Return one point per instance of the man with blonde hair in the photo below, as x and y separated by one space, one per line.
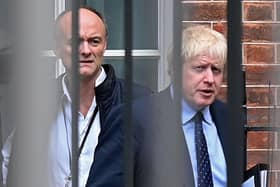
193 150
204 52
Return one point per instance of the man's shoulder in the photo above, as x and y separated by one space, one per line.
58 81
120 84
137 90
219 109
219 105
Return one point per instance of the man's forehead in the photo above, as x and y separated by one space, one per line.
206 58
65 20
84 14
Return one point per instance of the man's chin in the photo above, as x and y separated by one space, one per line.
86 72
204 103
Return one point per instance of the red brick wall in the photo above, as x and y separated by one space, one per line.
261 61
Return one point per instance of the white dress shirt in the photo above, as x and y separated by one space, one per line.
60 146
215 150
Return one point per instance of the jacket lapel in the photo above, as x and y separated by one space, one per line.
219 114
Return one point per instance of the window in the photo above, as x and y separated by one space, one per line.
152 35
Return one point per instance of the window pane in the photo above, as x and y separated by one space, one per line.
145 24
144 71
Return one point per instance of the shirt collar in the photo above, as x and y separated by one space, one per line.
188 112
65 89
207 115
101 77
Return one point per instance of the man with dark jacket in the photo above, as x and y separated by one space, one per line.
99 92
192 148
181 146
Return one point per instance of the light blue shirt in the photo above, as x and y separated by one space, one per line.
216 154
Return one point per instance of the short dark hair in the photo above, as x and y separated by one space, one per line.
56 25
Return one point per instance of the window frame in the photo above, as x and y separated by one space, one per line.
165 25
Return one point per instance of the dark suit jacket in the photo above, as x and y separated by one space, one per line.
161 157
233 147
107 168
162 160
160 153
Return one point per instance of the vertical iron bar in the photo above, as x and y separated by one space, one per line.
177 57
128 130
75 91
235 126
182 172
28 93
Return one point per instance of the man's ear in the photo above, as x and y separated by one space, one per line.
105 46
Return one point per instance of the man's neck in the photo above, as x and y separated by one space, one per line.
87 92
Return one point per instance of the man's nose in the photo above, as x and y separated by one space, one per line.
84 48
209 76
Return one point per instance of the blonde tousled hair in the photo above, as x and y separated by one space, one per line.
198 40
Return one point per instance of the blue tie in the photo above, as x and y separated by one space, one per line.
204 174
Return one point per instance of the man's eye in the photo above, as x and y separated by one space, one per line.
216 70
199 68
94 41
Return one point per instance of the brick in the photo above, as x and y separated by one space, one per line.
269 157
255 157
223 94
258 11
258 116
258 54
263 116
262 74
260 96
209 11
260 140
261 32
221 27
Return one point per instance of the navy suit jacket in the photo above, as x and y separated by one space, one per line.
160 153
161 157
